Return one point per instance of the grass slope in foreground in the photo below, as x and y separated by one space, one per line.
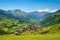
53 34
31 37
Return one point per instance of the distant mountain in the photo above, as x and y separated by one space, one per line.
5 13
6 17
40 15
20 15
52 19
29 16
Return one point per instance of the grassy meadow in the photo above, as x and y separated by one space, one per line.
31 37
53 34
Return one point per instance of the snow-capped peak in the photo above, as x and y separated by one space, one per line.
47 10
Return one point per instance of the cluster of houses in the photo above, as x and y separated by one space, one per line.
30 28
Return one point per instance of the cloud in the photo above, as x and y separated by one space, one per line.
53 10
43 10
47 10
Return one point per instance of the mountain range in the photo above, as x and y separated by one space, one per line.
12 19
31 17
34 16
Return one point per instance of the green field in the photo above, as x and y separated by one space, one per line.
18 27
53 34
31 37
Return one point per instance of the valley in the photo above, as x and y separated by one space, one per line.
20 25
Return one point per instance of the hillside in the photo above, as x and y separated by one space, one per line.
55 29
52 19
7 22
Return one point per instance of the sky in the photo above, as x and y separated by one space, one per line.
29 5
